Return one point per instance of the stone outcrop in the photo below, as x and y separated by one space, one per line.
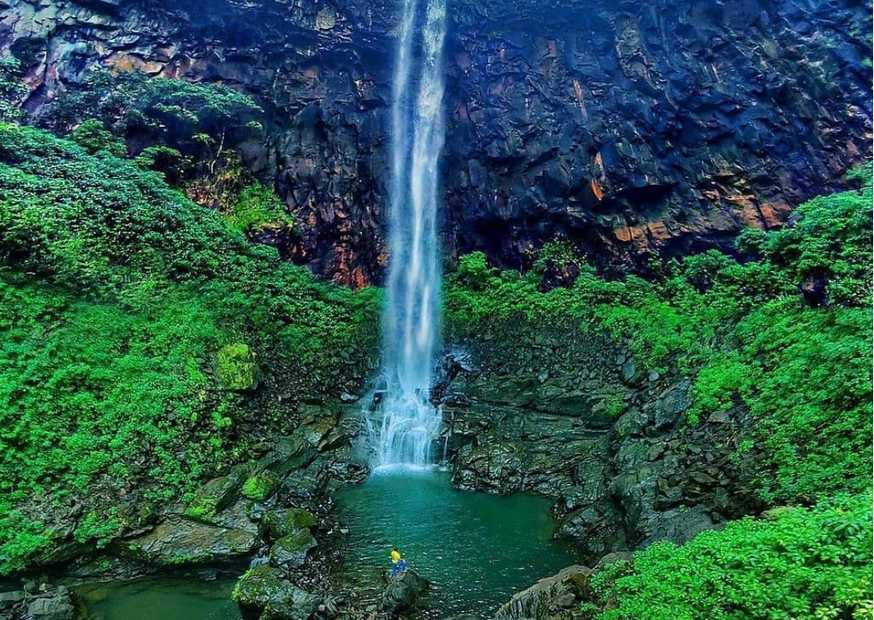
38 602
403 594
568 415
263 592
552 597
630 128
180 542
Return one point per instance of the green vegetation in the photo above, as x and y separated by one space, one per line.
794 563
92 136
743 330
200 119
260 486
117 295
750 340
256 207
236 367
12 89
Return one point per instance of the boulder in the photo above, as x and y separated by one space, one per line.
288 521
260 486
291 551
555 597
263 592
180 542
403 594
57 605
212 497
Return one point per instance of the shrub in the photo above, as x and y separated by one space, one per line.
258 206
92 136
795 563
236 367
116 295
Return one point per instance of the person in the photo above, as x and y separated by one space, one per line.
398 563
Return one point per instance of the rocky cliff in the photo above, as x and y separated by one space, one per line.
571 415
630 128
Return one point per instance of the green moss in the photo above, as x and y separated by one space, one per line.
260 486
281 523
236 367
211 498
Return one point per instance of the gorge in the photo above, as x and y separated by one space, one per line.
569 300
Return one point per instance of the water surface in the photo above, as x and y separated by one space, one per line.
160 599
476 549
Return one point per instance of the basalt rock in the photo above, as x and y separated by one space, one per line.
554 597
403 594
180 542
544 412
264 593
38 602
630 128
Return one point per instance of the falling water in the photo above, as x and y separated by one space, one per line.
407 422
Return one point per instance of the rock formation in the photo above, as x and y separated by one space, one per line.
629 128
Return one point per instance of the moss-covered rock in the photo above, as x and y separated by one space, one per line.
212 498
280 523
180 542
291 551
260 486
263 590
236 367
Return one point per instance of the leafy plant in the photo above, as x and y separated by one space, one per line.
794 563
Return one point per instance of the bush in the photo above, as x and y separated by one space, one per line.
236 367
256 207
117 295
92 136
795 563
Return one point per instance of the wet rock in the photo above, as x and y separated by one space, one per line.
285 522
263 592
403 594
38 602
674 402
678 525
57 606
814 288
291 551
555 597
558 274
597 529
213 497
181 542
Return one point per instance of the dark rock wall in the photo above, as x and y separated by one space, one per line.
641 127
631 128
570 415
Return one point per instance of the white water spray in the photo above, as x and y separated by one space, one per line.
407 422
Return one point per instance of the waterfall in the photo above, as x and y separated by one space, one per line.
407 423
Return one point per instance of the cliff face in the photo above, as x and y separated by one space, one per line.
631 128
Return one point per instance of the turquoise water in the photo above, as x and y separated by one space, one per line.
476 549
160 599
